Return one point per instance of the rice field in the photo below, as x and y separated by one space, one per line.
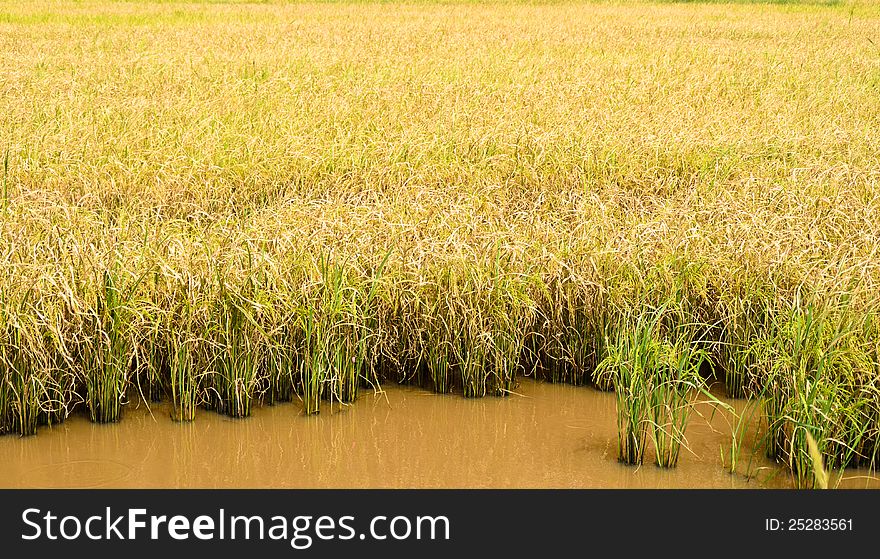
228 204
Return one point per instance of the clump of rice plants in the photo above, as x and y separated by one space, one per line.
280 362
5 413
489 316
675 382
23 383
152 353
234 378
37 386
630 353
107 354
867 453
313 364
511 314
570 330
175 349
333 359
817 365
655 371
184 378
187 361
437 325
338 323
473 331
404 314
745 312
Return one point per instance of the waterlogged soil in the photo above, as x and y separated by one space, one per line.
545 436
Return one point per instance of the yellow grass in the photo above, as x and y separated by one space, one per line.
743 133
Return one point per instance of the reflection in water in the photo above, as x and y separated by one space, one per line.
548 436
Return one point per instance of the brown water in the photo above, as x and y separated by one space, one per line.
549 436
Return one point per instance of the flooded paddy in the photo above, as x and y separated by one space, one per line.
547 435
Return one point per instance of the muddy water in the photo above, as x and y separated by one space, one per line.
548 436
